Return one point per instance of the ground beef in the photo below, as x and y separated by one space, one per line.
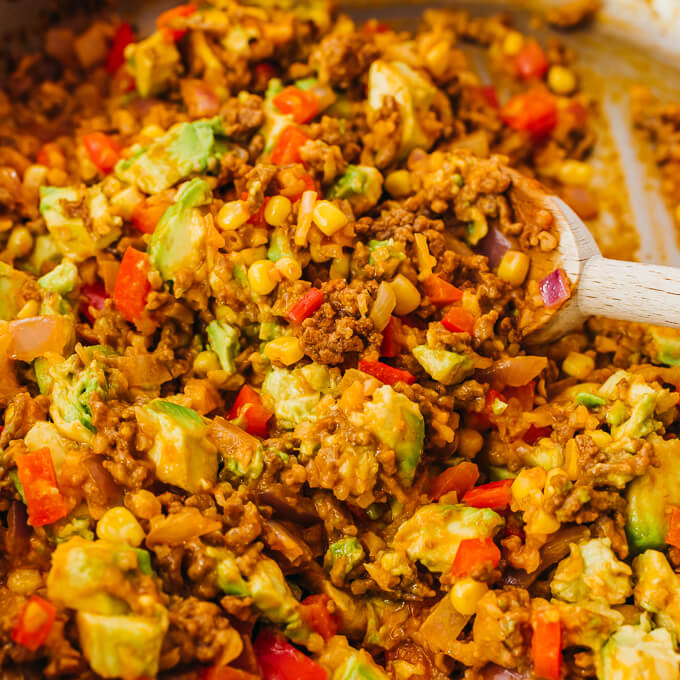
344 57
573 13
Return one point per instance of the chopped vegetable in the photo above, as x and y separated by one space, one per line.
534 111
279 660
535 434
459 478
440 292
459 320
132 284
546 644
494 495
530 61
303 105
95 298
166 21
590 400
121 39
146 215
315 611
555 288
103 150
35 623
673 534
44 501
493 246
385 373
288 145
249 406
474 553
35 336
390 344
306 305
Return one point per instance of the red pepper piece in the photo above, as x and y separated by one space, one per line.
390 344
441 292
495 495
279 660
44 502
103 150
473 553
249 406
534 111
303 105
121 39
546 645
145 215
535 434
490 95
459 320
95 296
306 305
35 623
387 374
530 61
166 19
523 394
315 613
132 284
673 535
287 149
460 478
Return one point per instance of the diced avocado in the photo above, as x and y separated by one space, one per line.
590 400
45 253
343 556
279 245
154 62
387 254
616 413
178 241
633 652
241 454
186 149
398 423
432 535
359 665
229 577
641 422
448 368
181 451
648 496
76 237
223 339
590 572
667 344
658 590
77 523
62 279
11 298
125 647
361 185
274 121
413 94
293 395
546 454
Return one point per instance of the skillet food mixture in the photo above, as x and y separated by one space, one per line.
269 407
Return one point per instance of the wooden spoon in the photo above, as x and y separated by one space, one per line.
629 291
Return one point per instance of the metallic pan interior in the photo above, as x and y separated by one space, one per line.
633 41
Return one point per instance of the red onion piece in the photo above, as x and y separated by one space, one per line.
18 532
554 288
494 245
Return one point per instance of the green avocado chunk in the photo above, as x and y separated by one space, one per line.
343 556
279 245
667 345
448 368
181 451
178 241
649 495
11 298
76 237
153 62
223 339
432 535
359 665
361 185
590 400
62 279
186 149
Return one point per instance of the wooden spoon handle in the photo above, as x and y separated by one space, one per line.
630 291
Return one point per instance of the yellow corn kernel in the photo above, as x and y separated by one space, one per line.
527 482
328 217
24 581
289 268
286 350
232 215
119 525
152 131
470 442
512 43
578 365
561 80
571 460
206 361
514 267
601 438
34 177
263 277
438 58
470 303
543 523
277 210
408 297
31 308
575 173
124 201
398 184
20 242
465 595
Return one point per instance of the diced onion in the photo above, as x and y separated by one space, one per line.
35 336
305 211
514 372
384 305
180 527
554 288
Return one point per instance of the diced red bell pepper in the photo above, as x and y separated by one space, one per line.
535 434
459 320
387 374
306 305
121 39
103 150
256 218
390 344
51 156
546 645
473 553
373 26
249 406
264 71
288 145
534 111
673 535
44 502
523 394
303 105
145 215
530 61
279 660
441 292
132 284
315 613
166 19
95 296
460 478
490 95
494 495
35 623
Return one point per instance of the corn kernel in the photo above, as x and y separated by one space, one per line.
123 203
34 177
601 438
20 242
263 276
232 215
470 442
152 131
408 297
142 503
31 308
561 80
206 361
578 365
543 523
24 581
438 59
340 267
465 595
514 267
277 210
286 350
328 217
512 43
398 184
575 173
289 268
119 525
571 460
